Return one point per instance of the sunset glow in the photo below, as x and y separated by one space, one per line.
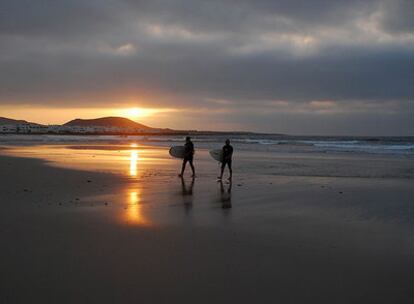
136 113
207 151
50 116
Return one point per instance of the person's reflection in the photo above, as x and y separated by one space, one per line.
225 194
187 193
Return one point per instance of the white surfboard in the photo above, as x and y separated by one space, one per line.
177 151
217 154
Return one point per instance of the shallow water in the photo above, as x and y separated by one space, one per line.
138 159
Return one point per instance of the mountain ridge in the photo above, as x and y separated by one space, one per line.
110 121
10 121
113 121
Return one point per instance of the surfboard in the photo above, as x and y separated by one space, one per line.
217 154
177 151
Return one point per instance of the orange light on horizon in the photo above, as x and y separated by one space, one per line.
135 113
53 115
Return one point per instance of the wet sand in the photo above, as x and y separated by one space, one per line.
117 226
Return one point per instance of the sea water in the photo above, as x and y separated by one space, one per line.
402 146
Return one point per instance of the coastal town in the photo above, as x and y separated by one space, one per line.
107 125
28 128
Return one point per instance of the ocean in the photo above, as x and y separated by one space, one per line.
402 146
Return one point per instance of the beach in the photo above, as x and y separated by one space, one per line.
112 223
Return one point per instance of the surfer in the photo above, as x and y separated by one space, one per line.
188 156
227 157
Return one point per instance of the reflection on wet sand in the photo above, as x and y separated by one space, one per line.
117 159
225 194
133 209
133 170
187 192
133 214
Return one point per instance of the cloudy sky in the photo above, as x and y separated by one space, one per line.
286 66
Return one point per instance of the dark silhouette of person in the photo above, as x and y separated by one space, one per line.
225 195
227 159
188 156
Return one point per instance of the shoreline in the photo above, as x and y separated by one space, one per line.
397 147
248 162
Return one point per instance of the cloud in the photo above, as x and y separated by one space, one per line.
397 17
312 58
122 50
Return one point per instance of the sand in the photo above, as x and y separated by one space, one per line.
136 233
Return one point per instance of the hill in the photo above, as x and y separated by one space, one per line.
9 121
108 122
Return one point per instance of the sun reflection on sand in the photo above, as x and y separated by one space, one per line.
133 161
133 210
130 159
133 215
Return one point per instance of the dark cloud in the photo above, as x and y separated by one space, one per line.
56 19
75 17
186 53
397 16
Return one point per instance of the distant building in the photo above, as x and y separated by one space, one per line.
37 129
24 128
8 129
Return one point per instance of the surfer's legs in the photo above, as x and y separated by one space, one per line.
192 166
183 167
223 165
185 160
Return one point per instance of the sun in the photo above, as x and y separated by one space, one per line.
133 112
136 113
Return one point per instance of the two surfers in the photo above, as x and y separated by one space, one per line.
225 157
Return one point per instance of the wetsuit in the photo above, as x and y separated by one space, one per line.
227 155
189 151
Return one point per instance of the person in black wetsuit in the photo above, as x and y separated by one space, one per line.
227 156
188 156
